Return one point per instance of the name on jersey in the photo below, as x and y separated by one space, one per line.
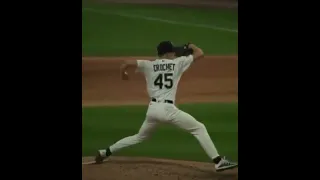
163 67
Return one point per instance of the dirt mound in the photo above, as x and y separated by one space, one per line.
135 168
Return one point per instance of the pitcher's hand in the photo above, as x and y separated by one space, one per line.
125 76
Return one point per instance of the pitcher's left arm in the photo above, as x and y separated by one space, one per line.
139 65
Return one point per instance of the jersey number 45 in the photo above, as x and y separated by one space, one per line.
164 80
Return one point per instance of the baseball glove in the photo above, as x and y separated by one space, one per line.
183 50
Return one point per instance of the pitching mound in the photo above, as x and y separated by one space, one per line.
134 168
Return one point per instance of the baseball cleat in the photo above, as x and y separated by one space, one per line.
225 164
101 155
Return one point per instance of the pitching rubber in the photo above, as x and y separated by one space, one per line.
92 162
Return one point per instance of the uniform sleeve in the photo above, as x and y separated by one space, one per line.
185 62
142 65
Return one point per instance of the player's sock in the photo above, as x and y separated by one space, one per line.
216 160
108 152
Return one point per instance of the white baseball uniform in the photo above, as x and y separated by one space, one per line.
162 78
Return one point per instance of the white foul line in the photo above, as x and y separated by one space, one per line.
162 20
92 162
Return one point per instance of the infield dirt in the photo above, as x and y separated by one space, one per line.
214 79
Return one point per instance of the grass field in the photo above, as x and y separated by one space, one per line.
123 30
104 125
129 30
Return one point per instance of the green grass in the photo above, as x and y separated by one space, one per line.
103 126
107 34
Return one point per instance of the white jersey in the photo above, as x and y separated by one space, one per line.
163 75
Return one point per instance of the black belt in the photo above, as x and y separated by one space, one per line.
166 101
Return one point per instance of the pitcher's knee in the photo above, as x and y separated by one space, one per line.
201 128
139 138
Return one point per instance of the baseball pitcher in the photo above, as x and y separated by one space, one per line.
162 77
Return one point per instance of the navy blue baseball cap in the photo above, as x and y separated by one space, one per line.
165 47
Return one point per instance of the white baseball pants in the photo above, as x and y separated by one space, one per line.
169 113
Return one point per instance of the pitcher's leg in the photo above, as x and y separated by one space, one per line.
145 131
198 130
